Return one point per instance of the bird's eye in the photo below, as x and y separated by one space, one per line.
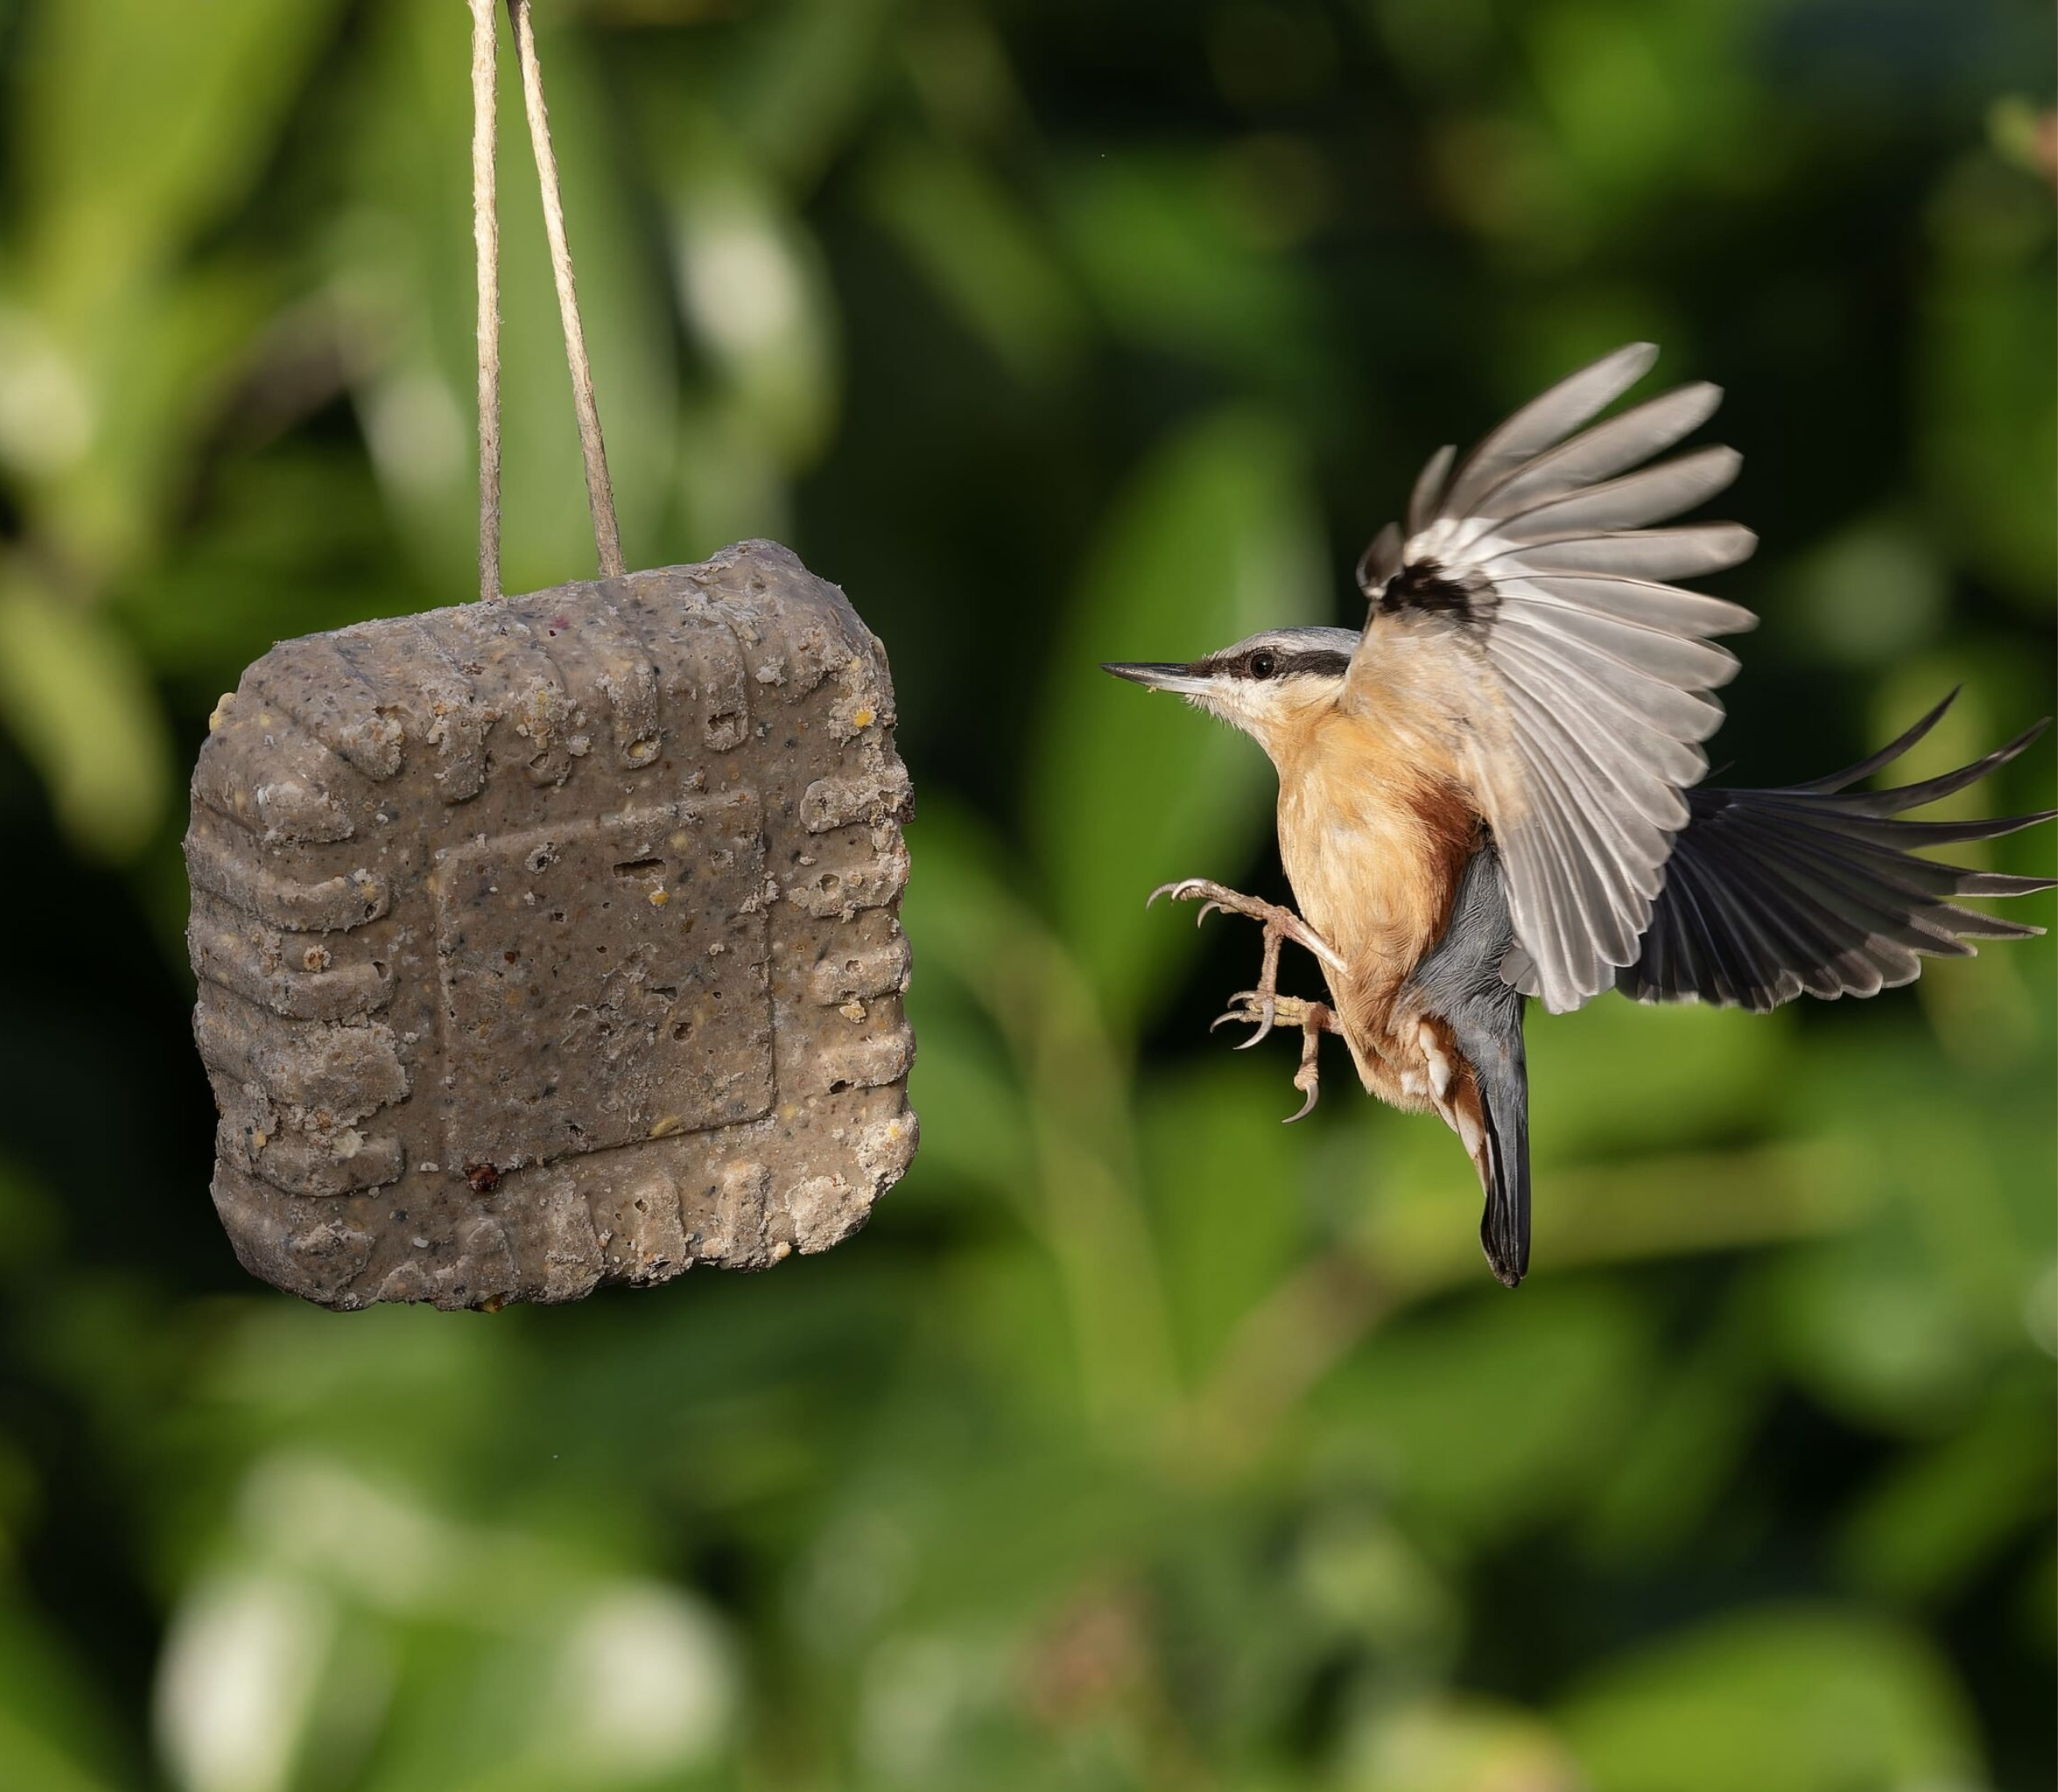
1263 665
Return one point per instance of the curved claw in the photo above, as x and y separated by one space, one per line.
1210 907
1252 1009
1266 1014
1307 1107
1183 889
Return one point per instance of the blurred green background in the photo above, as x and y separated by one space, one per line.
1139 1442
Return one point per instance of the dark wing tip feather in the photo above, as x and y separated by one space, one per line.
1934 789
1889 830
1815 888
1886 756
2002 883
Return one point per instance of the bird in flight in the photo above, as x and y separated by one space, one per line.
1491 792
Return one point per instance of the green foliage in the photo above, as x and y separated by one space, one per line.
1785 1699
1141 1441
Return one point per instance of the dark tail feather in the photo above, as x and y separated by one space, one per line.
1504 1158
1816 889
1459 983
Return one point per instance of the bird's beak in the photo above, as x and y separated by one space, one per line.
1187 681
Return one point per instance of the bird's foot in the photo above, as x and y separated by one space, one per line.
1279 925
1263 1010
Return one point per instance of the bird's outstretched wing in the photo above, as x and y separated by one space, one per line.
1772 894
1528 598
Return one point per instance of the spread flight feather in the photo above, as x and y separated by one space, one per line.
1591 674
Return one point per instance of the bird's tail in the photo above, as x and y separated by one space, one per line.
1502 1158
1459 983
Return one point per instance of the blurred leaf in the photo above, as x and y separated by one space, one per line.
1486 1420
50 409
1083 1197
1868 1330
291 543
1603 76
1939 1518
975 1126
55 1735
1503 176
1212 541
1361 1572
1163 247
1440 42
962 903
159 380
750 280
1782 1700
1650 100
1458 1745
393 1395
1224 1175
805 70
731 485
982 255
240 1679
752 287
143 126
1008 1320
1987 373
1899 1325
1873 594
1676 1465
957 59
1617 1074
645 1685
929 1706
74 697
2017 133
146 122
1711 1201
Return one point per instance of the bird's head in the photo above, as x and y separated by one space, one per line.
1269 686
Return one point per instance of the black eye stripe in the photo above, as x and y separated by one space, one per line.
1313 662
1319 662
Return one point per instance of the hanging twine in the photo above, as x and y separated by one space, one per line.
486 235
485 242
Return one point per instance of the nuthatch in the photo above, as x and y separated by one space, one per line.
1491 793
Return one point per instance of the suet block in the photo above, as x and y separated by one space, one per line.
554 940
